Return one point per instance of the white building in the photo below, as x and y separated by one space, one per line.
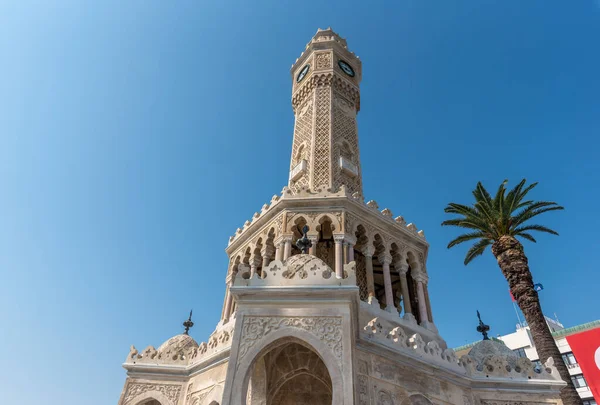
326 295
521 343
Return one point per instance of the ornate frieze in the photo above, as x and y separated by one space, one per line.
327 329
134 390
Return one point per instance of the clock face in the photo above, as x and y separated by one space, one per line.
302 73
346 68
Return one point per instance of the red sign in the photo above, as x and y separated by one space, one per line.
586 348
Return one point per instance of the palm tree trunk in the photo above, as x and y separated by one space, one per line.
513 263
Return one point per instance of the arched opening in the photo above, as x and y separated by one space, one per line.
362 242
412 286
149 401
296 229
379 284
395 276
326 245
290 373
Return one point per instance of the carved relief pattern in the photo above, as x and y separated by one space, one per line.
326 253
302 139
326 329
170 391
495 402
323 61
321 153
363 390
361 277
345 137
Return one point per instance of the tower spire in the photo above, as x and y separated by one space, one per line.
326 100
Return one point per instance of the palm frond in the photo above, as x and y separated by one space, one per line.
482 196
465 210
511 198
527 214
477 250
527 236
467 237
471 223
523 192
540 228
500 194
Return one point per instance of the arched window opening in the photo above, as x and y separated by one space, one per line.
326 245
289 374
362 242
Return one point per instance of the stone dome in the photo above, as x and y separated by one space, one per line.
177 344
302 263
485 349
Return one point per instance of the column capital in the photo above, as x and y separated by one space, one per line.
282 239
350 240
368 251
266 251
402 268
338 238
420 278
385 258
313 238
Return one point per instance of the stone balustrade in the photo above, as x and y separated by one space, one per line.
219 341
399 338
298 270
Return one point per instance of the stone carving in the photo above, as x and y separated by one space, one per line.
373 204
302 137
384 398
302 269
387 213
497 402
321 153
323 60
363 390
326 329
171 391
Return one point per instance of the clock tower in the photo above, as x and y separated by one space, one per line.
325 100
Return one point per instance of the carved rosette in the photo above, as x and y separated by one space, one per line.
170 391
327 329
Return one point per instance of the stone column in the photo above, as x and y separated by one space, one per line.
314 240
228 298
266 253
368 253
386 259
402 270
339 260
287 250
279 249
420 279
345 250
349 248
429 312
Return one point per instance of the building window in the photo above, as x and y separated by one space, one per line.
520 352
569 359
589 402
578 381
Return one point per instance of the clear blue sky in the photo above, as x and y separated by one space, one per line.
135 137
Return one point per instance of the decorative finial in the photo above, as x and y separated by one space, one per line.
188 324
304 243
482 328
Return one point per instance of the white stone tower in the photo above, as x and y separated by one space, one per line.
348 321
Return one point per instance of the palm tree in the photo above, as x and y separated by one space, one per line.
497 222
